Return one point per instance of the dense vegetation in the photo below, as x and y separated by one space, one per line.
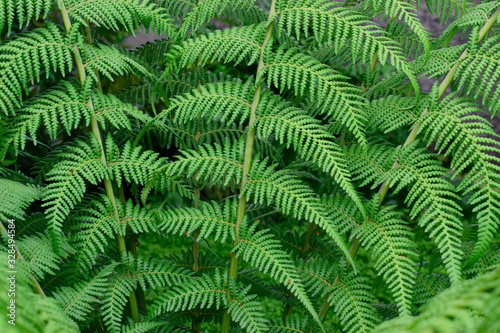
283 174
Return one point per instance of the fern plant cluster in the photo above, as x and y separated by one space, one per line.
283 174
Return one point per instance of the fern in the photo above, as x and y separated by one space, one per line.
24 58
430 189
81 163
263 166
388 238
264 252
470 149
323 85
129 14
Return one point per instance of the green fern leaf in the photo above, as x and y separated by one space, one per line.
389 239
456 130
404 11
264 252
79 300
292 197
129 14
23 10
79 163
211 220
351 301
291 125
430 193
15 197
225 101
23 59
304 74
234 45
338 24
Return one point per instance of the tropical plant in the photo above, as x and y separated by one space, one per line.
283 174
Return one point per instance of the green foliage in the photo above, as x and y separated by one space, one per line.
265 166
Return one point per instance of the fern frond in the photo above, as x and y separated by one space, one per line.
79 163
392 250
246 310
109 108
305 75
343 211
30 225
292 197
97 224
23 10
369 166
264 252
406 12
39 255
152 273
393 112
225 101
293 126
479 73
475 16
23 59
80 299
201 13
211 220
119 14
235 45
471 306
61 104
115 300
199 132
66 105
431 193
132 164
444 9
110 61
220 165
34 313
409 41
338 24
291 325
15 197
204 292
427 286
351 301
469 138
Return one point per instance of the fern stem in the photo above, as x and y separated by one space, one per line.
242 201
97 133
34 282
